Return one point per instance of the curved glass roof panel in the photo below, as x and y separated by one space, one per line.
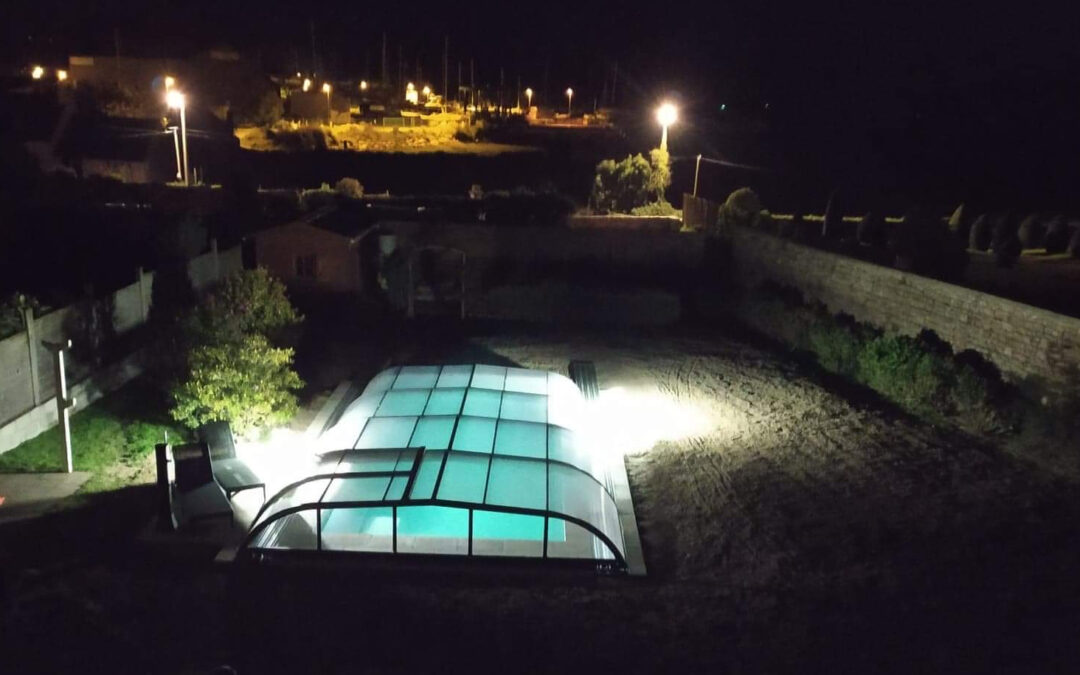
459 460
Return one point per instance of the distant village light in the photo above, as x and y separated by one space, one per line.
170 82
363 85
307 84
61 75
37 73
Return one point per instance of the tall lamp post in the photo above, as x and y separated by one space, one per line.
569 101
666 115
175 99
329 111
528 97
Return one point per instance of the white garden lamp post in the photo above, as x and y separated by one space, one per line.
175 99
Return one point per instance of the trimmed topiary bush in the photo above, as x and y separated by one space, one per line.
831 223
979 236
922 244
960 223
741 207
1005 244
350 188
765 221
1056 239
871 230
1032 232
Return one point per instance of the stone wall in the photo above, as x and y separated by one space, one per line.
1038 349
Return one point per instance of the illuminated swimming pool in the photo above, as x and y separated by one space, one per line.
467 460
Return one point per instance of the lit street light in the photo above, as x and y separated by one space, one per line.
528 96
569 101
426 91
175 99
329 111
666 115
37 72
61 75
170 82
307 84
363 85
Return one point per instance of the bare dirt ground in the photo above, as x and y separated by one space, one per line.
786 527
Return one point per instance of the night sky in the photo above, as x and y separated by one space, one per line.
908 84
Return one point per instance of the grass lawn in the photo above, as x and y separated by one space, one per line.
113 438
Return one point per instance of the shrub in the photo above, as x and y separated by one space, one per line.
741 207
349 188
903 371
246 382
248 301
871 230
259 105
1056 238
837 343
635 181
659 208
980 235
1032 232
1005 244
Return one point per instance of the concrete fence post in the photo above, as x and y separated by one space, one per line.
32 352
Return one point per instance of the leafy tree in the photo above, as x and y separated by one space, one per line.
619 187
231 370
350 188
741 207
245 381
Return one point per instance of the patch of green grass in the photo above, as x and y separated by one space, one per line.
112 438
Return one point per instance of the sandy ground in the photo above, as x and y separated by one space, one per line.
438 137
785 527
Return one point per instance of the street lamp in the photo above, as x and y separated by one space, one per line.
329 111
170 82
61 75
666 115
528 96
37 72
307 84
569 101
363 85
175 99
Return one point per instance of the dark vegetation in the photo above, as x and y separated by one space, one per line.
920 374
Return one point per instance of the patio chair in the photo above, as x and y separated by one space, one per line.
231 473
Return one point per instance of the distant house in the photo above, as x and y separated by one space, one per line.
319 252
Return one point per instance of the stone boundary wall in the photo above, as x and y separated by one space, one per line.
26 365
1035 348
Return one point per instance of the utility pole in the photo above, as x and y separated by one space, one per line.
446 71
458 97
314 58
518 91
502 85
472 81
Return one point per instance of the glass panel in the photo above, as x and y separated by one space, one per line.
397 488
489 377
387 432
464 477
417 377
368 461
517 482
366 529
525 439
433 529
509 534
526 381
294 531
445 402
574 493
305 493
454 376
566 446
564 402
382 381
433 433
406 460
474 433
347 429
368 488
482 403
426 475
570 540
527 407
403 402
